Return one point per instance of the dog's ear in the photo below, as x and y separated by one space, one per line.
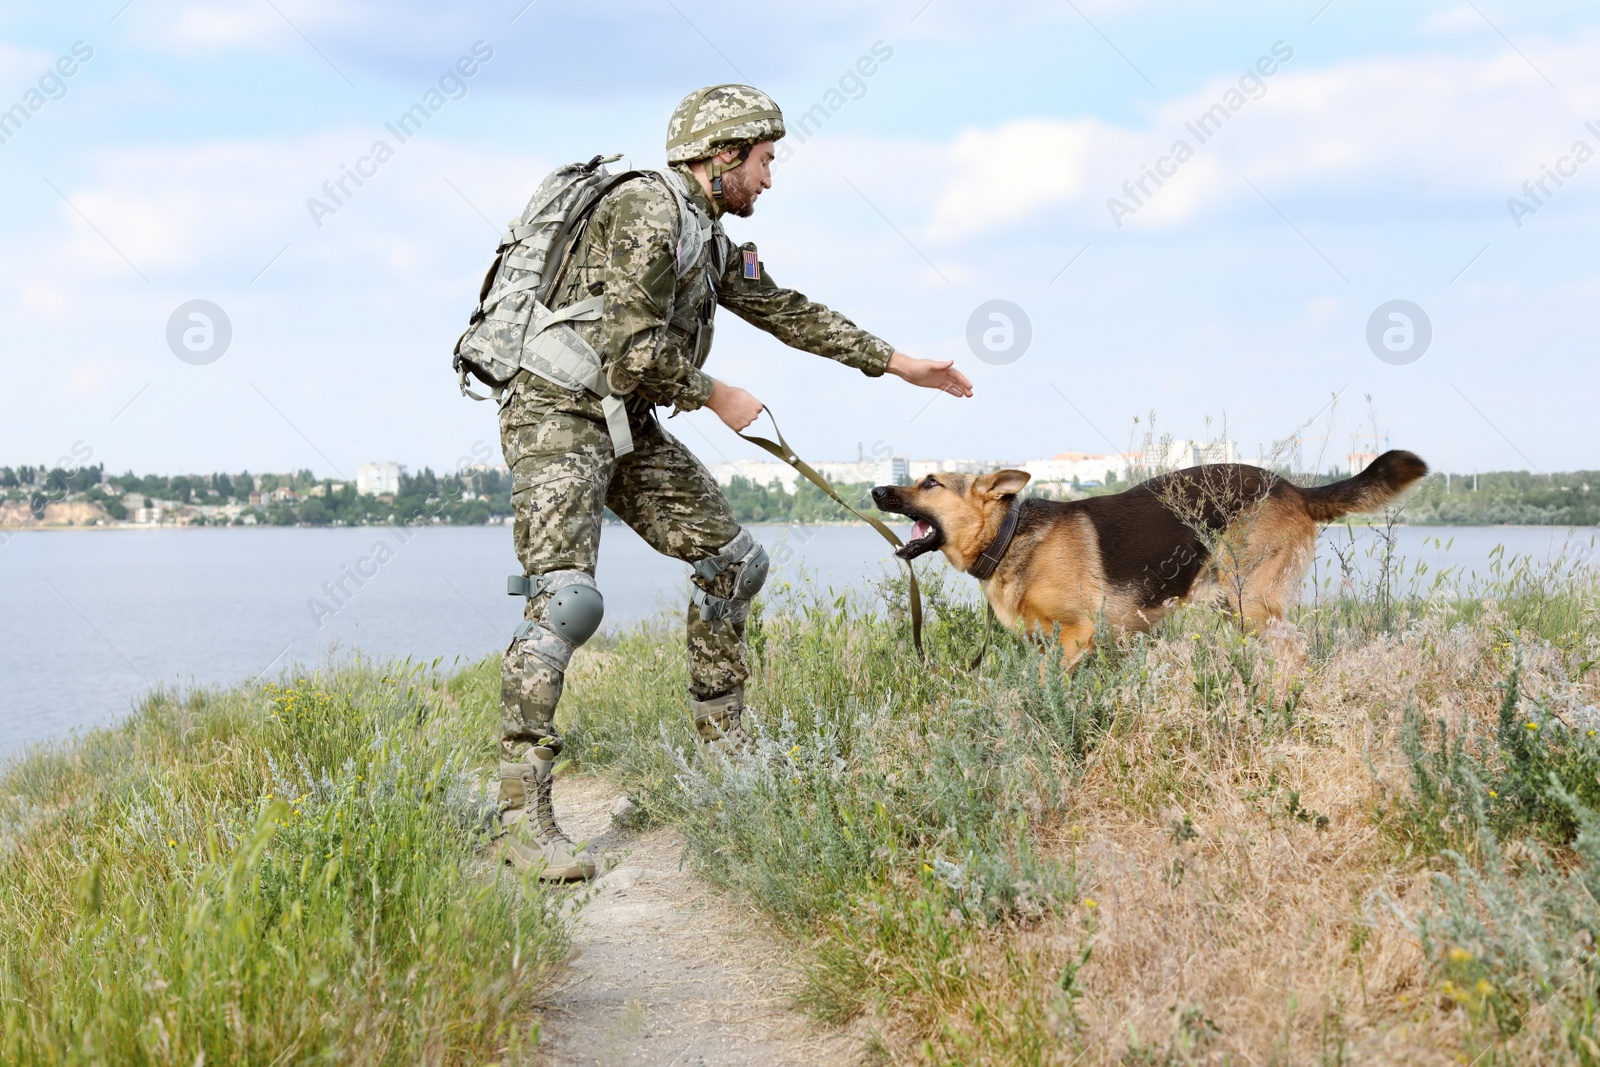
1001 483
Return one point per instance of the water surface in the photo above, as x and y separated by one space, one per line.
93 619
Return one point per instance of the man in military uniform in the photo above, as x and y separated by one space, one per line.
655 251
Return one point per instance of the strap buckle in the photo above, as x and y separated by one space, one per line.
528 585
711 607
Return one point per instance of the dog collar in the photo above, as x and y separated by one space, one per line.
996 551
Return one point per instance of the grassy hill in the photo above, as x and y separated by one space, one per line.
1372 837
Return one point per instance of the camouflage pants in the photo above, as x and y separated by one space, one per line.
564 474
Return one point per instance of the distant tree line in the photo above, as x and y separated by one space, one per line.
464 498
807 504
1508 497
475 497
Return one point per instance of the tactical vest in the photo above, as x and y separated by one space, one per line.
700 258
513 329
694 308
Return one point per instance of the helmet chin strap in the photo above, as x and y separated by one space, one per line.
716 168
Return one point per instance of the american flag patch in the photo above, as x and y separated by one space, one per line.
752 265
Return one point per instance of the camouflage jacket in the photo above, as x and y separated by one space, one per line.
655 333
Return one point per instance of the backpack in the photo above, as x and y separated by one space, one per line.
512 329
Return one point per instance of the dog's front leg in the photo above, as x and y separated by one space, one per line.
1076 638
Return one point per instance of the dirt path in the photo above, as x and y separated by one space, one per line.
668 973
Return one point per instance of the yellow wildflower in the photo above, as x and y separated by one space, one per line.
1459 955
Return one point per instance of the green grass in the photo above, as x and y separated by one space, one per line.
288 876
1343 845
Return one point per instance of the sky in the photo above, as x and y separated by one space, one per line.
1356 153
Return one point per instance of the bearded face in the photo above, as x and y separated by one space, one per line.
744 183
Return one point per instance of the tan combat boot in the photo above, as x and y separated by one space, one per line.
529 837
719 722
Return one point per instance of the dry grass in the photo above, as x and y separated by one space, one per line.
1204 848
1235 922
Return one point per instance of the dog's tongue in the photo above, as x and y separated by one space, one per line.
920 529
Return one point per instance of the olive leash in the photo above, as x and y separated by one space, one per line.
780 448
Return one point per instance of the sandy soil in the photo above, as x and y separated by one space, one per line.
668 973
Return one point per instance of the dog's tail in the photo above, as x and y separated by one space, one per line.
1384 479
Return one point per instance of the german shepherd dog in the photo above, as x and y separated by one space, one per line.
1222 532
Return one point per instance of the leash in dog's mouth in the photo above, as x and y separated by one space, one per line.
925 537
926 534
781 449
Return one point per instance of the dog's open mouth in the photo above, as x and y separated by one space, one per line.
925 537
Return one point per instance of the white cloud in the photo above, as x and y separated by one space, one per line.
243 25
210 25
1453 20
231 205
22 64
1418 125
1004 175
87 377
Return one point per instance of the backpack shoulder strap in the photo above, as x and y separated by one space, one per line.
564 239
695 227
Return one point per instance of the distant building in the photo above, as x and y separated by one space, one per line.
1174 454
1061 469
1195 453
918 469
1356 462
890 470
378 479
762 472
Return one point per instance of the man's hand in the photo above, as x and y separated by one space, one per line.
929 373
735 407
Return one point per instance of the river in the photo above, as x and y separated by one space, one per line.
93 619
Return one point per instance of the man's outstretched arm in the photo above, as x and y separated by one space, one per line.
812 327
796 320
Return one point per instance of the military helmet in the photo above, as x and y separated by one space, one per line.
721 115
